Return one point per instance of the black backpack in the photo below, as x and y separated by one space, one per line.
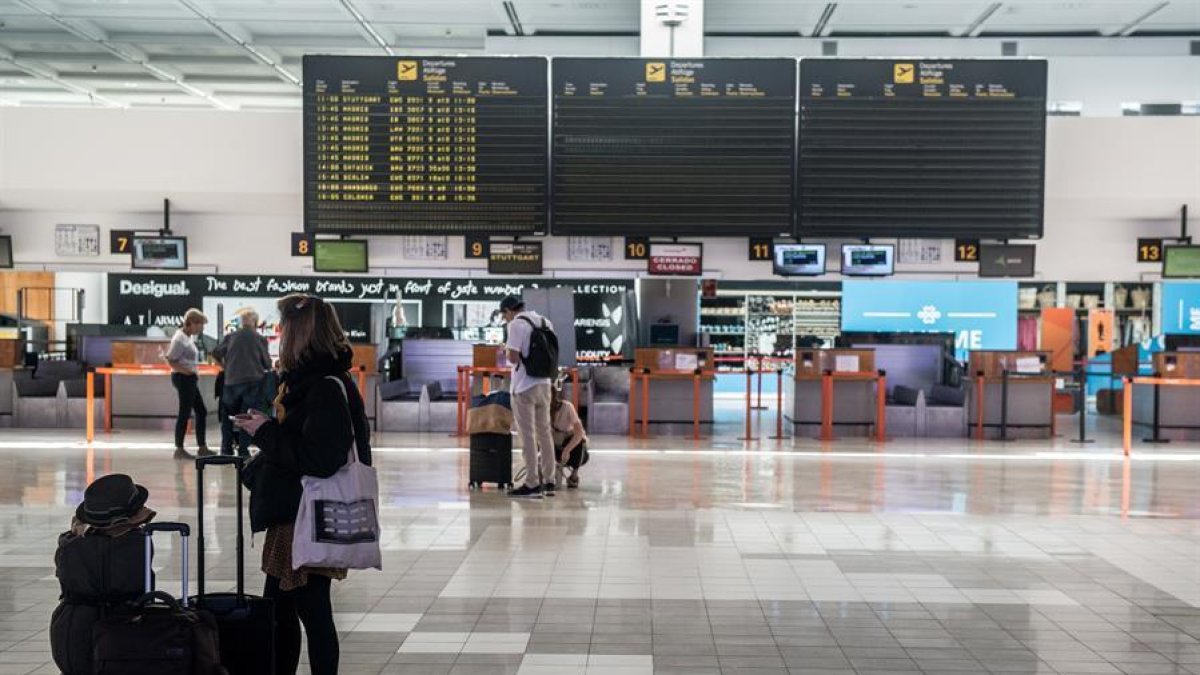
542 360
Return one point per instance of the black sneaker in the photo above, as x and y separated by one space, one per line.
548 489
526 491
182 454
203 451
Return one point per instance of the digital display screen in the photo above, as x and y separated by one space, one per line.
340 255
159 253
799 260
673 147
942 148
1006 260
1181 262
518 257
868 260
414 145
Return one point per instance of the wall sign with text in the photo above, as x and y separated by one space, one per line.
1149 250
686 260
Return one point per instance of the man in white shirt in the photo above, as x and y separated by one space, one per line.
530 401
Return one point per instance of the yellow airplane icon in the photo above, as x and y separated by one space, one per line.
656 72
406 70
902 73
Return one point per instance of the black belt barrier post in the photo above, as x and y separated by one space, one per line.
1081 379
1004 405
1154 437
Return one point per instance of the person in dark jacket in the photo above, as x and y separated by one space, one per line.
244 360
100 564
316 420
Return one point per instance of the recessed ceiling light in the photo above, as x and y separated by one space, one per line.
132 84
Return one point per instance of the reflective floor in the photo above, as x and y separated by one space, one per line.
675 556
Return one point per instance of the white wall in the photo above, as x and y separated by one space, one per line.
234 180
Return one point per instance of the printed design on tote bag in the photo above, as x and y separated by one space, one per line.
344 522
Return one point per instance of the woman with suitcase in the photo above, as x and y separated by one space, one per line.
317 419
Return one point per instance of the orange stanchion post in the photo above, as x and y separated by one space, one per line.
979 407
778 405
696 405
107 403
1127 415
645 403
749 380
362 382
91 406
881 407
827 407
632 403
458 402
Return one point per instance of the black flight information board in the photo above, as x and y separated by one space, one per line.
411 145
921 148
673 147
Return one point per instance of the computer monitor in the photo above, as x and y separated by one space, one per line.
664 334
799 260
868 260
1181 262
340 255
159 253
1006 260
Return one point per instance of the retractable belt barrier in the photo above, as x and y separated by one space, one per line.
827 380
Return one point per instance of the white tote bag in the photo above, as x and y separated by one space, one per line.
338 521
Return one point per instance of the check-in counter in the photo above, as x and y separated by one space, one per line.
854 397
1016 392
1176 405
670 374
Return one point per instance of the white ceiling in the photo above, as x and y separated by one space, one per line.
245 54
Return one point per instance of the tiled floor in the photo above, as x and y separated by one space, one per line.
932 557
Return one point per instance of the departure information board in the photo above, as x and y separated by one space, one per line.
396 145
921 148
673 147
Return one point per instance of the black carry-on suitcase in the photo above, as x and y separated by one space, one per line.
491 460
246 622
158 634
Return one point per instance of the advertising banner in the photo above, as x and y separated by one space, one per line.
1180 308
981 314
162 299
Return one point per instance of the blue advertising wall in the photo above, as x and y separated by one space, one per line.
982 314
1180 308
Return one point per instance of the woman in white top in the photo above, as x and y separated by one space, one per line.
184 357
570 438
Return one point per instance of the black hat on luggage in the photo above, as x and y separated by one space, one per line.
111 500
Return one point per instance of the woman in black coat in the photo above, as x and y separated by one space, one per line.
319 413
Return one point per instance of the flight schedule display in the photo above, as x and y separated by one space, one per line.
673 147
921 148
415 145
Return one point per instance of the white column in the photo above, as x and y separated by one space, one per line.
673 28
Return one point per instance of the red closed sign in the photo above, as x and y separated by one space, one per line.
685 260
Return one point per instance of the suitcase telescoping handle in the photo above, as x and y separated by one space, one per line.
184 532
219 460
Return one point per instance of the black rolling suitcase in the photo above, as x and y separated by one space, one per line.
157 634
491 460
246 622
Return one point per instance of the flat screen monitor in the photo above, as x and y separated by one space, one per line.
799 260
160 253
6 257
1006 260
664 334
868 260
1181 262
340 255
